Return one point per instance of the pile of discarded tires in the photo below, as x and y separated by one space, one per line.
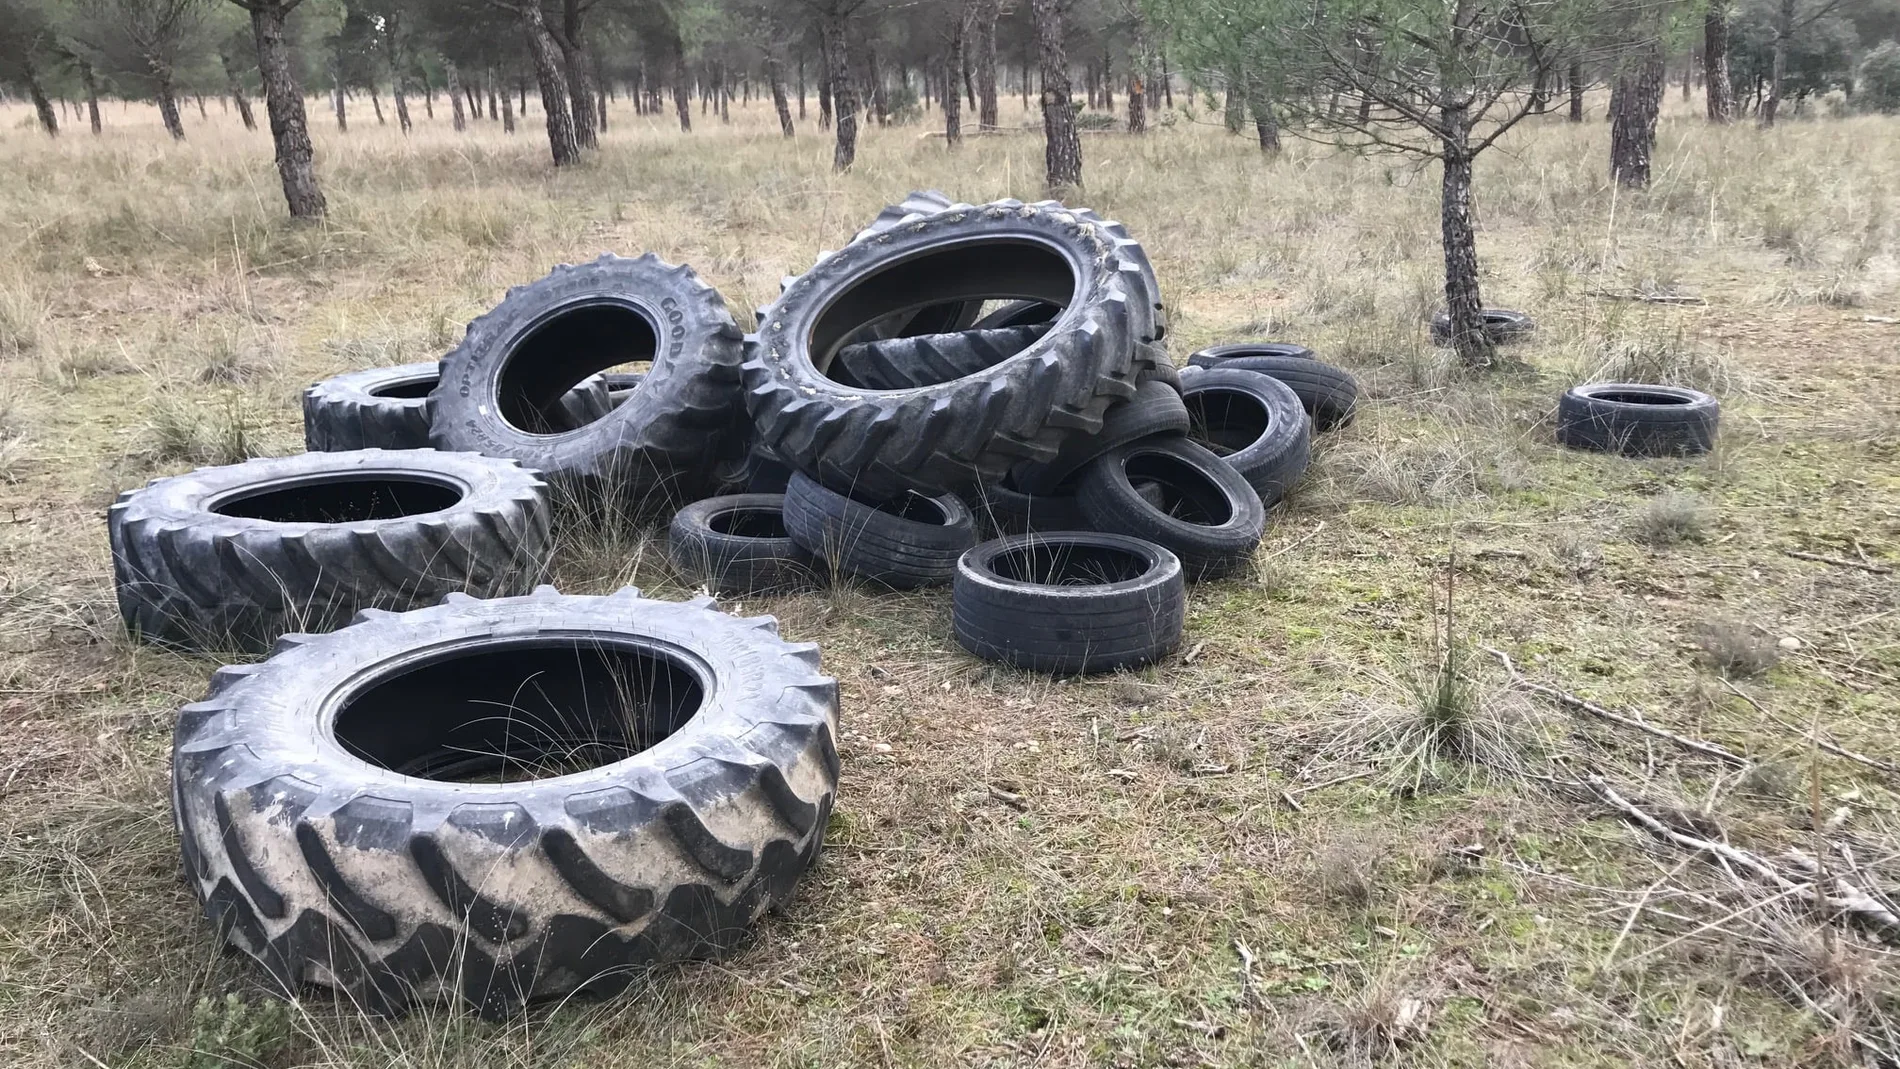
447 779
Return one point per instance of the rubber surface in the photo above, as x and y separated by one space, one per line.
1255 422
317 858
1500 325
1155 409
1638 419
389 408
738 545
661 442
912 542
1209 516
904 363
1069 603
940 438
199 565
1214 354
1329 395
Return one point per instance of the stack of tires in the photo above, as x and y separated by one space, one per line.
446 778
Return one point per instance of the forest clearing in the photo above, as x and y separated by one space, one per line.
1333 828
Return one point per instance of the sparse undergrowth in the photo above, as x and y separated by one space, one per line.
1313 837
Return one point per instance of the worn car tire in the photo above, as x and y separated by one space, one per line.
659 443
1010 511
1255 422
1071 603
912 541
1500 325
948 436
738 544
1155 409
1209 516
1638 419
228 558
334 821
908 362
1329 395
1018 314
1214 355
389 408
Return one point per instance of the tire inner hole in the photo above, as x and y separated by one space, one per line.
749 523
1186 493
343 500
526 711
1068 564
1226 421
411 390
564 348
1636 397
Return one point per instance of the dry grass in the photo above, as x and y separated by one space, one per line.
156 312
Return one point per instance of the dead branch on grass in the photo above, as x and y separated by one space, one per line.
1571 701
1838 562
1814 735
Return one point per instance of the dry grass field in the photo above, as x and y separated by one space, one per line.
1295 843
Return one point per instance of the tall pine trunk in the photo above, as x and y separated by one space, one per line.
398 67
1266 124
168 101
336 92
1234 103
376 102
235 87
1784 30
1715 73
563 144
49 119
983 28
682 94
1062 148
844 95
91 83
507 113
1463 304
283 100
1634 103
580 77
952 72
1575 78
454 75
775 73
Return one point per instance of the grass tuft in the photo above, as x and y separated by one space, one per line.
1671 518
1736 649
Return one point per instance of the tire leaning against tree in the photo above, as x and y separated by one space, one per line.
228 558
948 436
662 441
358 810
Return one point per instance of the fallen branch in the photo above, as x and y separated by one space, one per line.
1849 901
1707 749
1815 736
1647 298
1839 562
1008 798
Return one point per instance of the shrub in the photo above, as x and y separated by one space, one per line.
1880 79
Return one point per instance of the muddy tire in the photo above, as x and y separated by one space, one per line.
738 544
342 817
661 442
906 363
1500 325
1070 603
912 541
1255 422
229 558
935 439
1329 395
1638 419
1209 516
389 408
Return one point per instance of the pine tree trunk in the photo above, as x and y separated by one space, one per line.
801 85
983 26
682 92
507 113
1234 103
49 119
1167 80
91 84
952 70
200 98
336 94
488 81
844 102
167 102
603 92
1266 124
824 83
1715 71
1062 155
235 87
1784 30
562 142
580 79
428 98
376 102
1633 106
398 67
454 75
1108 84
1575 79
1463 304
283 100
1137 105
775 74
